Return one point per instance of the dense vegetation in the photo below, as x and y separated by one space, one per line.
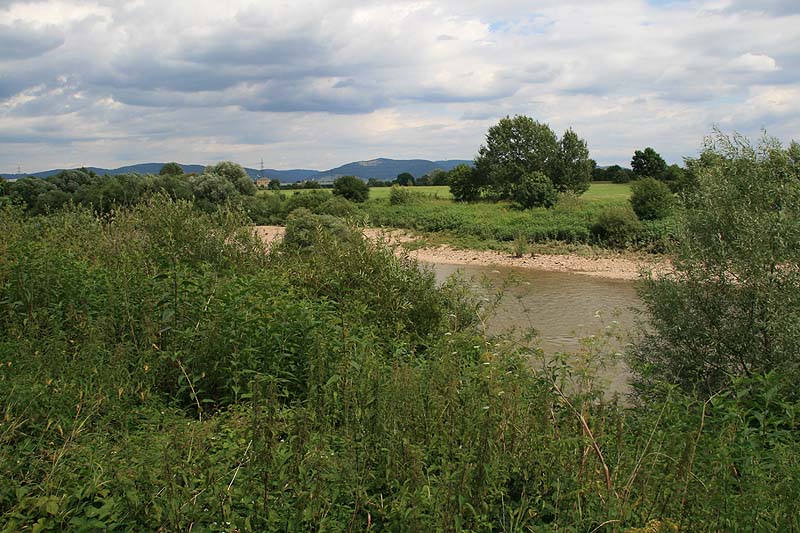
732 306
525 162
161 371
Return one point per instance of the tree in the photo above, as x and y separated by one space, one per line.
352 188
70 181
375 182
235 174
171 169
27 191
732 305
211 188
651 199
535 190
648 163
465 183
515 147
274 184
405 180
573 169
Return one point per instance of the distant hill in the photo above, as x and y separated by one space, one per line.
382 168
388 169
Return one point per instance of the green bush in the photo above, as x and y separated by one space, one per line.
731 308
162 372
535 190
651 199
617 227
311 200
341 207
305 229
351 188
402 195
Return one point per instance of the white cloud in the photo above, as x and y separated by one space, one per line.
119 81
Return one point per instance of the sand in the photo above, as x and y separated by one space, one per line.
622 267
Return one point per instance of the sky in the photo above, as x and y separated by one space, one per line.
315 84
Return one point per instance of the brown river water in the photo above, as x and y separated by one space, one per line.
565 309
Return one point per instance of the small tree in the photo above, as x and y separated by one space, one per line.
171 169
651 199
732 306
235 174
274 184
535 190
465 183
352 188
405 180
648 163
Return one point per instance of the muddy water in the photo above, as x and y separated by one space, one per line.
563 308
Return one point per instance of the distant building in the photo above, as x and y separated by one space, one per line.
262 182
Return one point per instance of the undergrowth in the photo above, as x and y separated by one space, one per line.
162 371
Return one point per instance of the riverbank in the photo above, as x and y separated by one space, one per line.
621 266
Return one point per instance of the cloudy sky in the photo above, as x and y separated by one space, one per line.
314 84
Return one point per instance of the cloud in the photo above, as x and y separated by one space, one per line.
97 81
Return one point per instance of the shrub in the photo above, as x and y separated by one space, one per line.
211 189
617 227
732 306
535 190
235 174
304 229
651 199
339 206
401 195
351 188
311 200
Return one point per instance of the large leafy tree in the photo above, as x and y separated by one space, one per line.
514 148
732 305
648 163
573 168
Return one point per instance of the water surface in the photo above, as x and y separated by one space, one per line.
562 307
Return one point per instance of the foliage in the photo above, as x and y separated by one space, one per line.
465 184
171 169
235 174
535 190
614 174
515 147
648 163
573 171
732 306
404 179
304 229
211 189
520 146
162 372
274 184
651 199
400 195
351 188
310 200
618 227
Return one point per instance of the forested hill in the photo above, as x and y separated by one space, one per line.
376 168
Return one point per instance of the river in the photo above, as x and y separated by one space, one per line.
563 308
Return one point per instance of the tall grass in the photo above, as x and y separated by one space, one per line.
161 371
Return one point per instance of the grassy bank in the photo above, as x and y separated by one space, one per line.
573 221
160 371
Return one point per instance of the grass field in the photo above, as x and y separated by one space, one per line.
600 192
